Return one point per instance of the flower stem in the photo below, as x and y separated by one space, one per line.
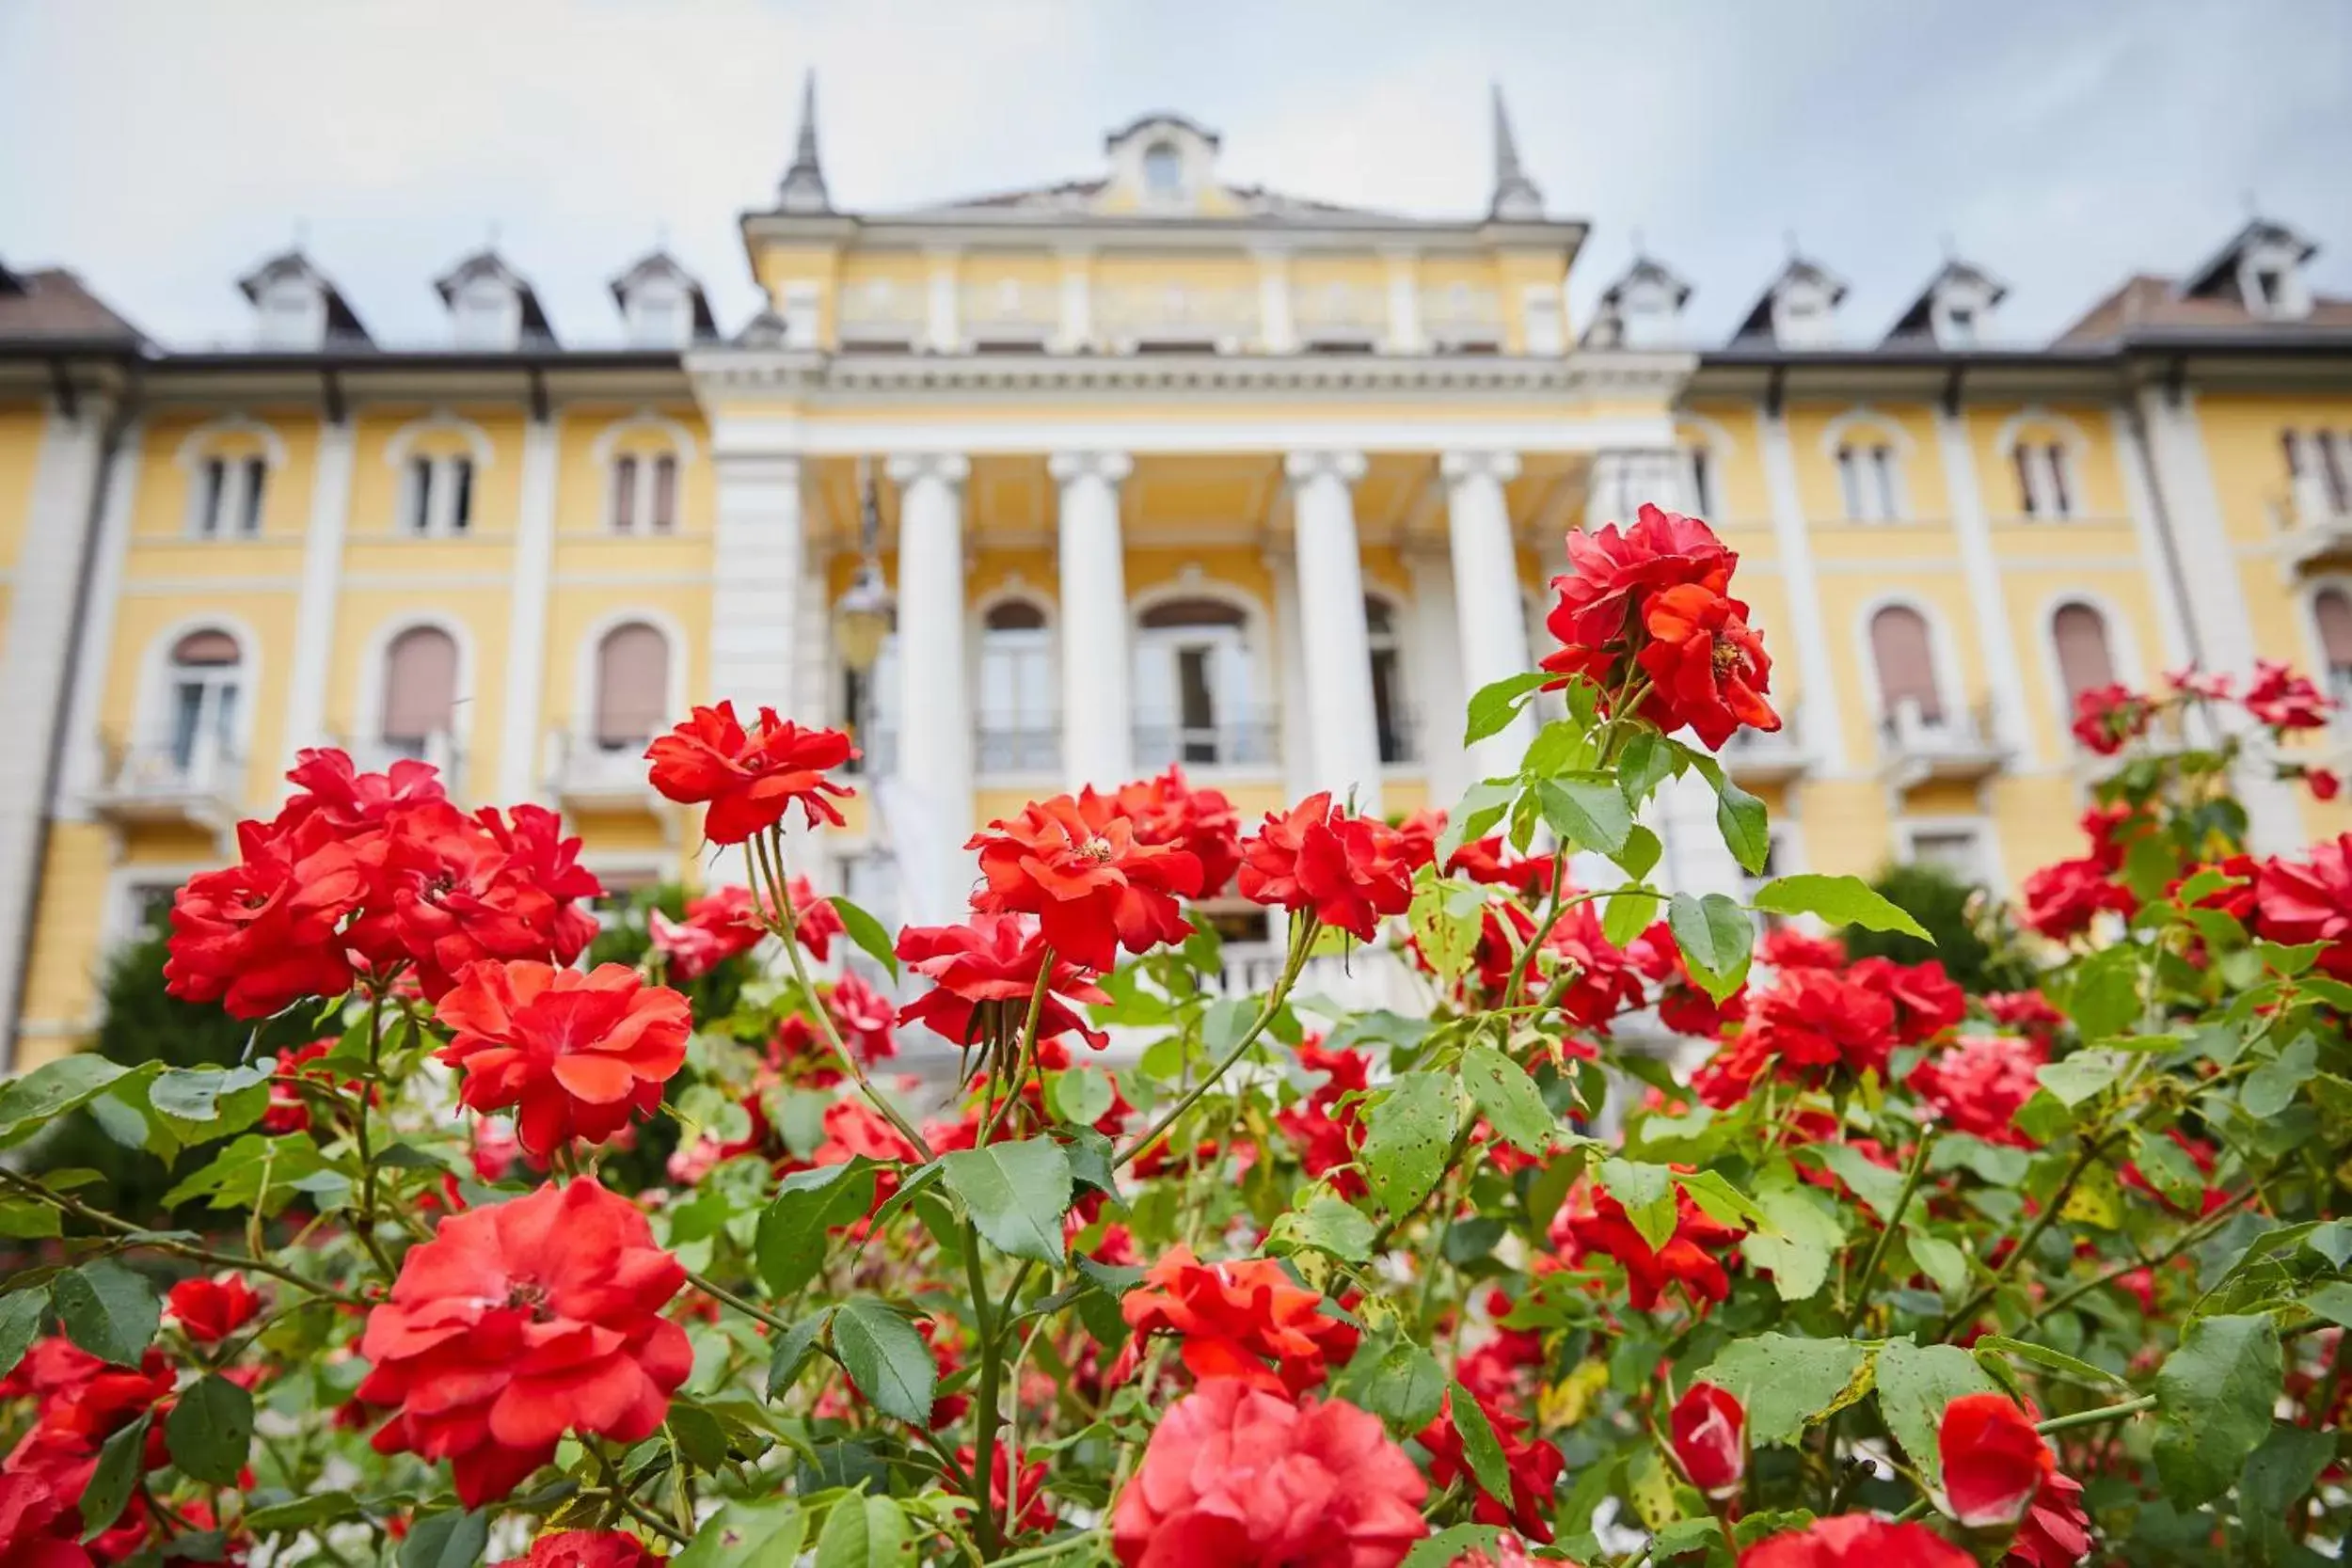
2095 1417
984 1397
1861 1303
726 1297
1965 1313
1027 1056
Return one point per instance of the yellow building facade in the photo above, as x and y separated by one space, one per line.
1150 468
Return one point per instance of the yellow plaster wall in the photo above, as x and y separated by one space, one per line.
2084 429
579 614
1738 467
2250 467
583 484
21 427
1845 595
61 976
375 479
778 265
263 620
1818 490
161 507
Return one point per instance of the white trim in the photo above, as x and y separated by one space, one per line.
194 447
584 664
1402 612
2132 457
115 911
396 446
1719 444
198 450
1267 666
93 660
2307 616
1949 690
1151 432
1819 718
150 702
323 542
2123 651
2005 681
1859 416
2075 446
1905 832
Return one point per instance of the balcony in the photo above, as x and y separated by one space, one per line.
1176 320
1769 756
440 751
1016 749
170 780
1955 745
1251 741
2315 528
600 770
1462 320
1340 319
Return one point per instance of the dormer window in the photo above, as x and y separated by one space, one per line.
1960 325
1163 171
292 315
1648 318
489 315
2268 284
657 317
1802 319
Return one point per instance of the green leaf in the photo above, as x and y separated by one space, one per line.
2213 1400
2168 1167
862 1532
1625 913
748 1536
1406 1135
2331 1301
1643 850
1915 1383
1402 1385
21 1313
255 1172
195 1094
1840 900
1507 1098
1016 1193
1647 1192
2282 1471
50 1090
1715 936
1716 1196
2269 1089
1879 1188
1747 832
2083 1075
1646 761
699 1438
1329 1224
446 1540
210 1430
1587 810
1446 932
2043 1356
1939 1260
1481 1449
1481 807
871 936
1803 1236
1494 706
793 1348
886 1358
1081 1094
1453 1545
789 1246
1788 1384
122 1460
316 1508
107 1309
2104 997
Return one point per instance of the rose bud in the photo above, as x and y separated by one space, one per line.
210 1310
1995 1462
1709 1431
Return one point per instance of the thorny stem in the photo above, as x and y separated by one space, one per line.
1861 1303
984 1395
2188 1239
1301 941
1027 1056
141 1237
1965 1313
620 1494
2095 1417
764 855
726 1297
359 1123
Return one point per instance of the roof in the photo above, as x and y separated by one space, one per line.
342 322
488 264
2220 272
1160 117
2146 301
660 264
1075 198
1917 319
1759 323
51 303
1646 270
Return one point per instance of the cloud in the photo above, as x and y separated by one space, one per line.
163 147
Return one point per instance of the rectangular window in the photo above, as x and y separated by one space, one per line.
1956 850
625 496
1849 483
250 504
1196 704
1703 482
211 486
420 517
461 501
2336 458
2061 501
664 494
2029 493
1882 471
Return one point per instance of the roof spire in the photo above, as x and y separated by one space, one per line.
802 189
1515 194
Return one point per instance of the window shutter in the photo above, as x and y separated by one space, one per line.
1905 660
420 683
632 685
2080 633
2333 612
206 649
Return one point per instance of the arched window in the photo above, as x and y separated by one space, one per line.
632 687
420 691
2085 662
229 495
1017 730
207 688
2045 486
1195 696
1870 480
437 494
1904 657
1391 717
1163 170
645 493
2331 610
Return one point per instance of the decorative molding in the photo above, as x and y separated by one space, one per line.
194 445
1306 466
1458 463
1112 467
948 468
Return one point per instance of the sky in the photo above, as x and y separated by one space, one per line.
160 148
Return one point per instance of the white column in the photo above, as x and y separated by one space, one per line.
322 588
930 802
1973 537
1097 669
527 620
757 569
1077 301
38 638
1276 331
1404 335
1343 742
1818 726
1492 617
2155 549
85 753
943 329
1290 668
1438 694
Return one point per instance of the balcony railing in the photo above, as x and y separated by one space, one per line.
1143 320
1916 743
193 780
1769 754
1250 741
2315 525
599 766
376 754
1016 747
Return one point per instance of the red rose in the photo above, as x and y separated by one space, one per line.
1351 871
1482 860
1232 1317
446 889
1708 668
1688 1260
1602 979
1533 1465
1811 1026
1035 1512
2056 1533
519 1322
982 975
1708 1428
2309 900
749 779
576 1053
2323 783
1166 810
1785 947
863 1016
2106 717
2062 900
1095 883
1856 1541
2285 701
1682 1006
1979 1083
587 1548
209 1310
1241 1478
853 1128
2028 1011
2189 681
262 934
1995 1462
1927 1001
37 1529
1612 574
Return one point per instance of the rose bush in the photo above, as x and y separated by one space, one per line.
1644 1241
